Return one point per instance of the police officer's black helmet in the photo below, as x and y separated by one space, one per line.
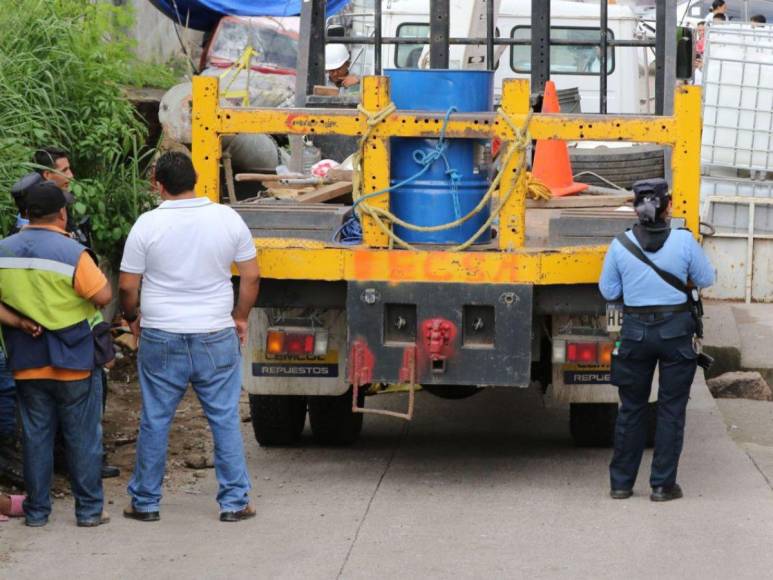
650 199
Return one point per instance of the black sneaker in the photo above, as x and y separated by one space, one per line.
620 493
662 493
103 518
246 512
109 471
133 514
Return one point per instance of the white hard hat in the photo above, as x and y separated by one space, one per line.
336 55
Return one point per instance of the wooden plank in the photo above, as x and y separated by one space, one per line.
577 201
326 192
267 176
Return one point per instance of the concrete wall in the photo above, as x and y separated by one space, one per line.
155 35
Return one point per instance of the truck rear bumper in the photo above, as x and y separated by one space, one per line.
461 334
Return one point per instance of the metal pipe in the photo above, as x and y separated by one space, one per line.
439 31
660 56
603 57
377 39
490 33
540 45
508 41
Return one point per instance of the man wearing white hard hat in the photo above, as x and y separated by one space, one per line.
337 60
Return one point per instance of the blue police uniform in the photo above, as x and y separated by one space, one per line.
657 328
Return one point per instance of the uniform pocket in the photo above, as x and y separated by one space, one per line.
677 326
223 349
153 353
620 372
632 330
687 352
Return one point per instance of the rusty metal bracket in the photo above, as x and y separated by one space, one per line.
407 372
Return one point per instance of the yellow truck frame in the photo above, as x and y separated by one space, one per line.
507 264
513 262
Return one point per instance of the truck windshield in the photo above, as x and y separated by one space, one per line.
272 46
574 60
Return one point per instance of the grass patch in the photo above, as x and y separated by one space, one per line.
63 64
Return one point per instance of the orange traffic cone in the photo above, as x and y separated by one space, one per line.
551 161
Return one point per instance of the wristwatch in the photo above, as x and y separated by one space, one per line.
132 318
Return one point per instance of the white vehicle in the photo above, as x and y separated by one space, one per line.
571 66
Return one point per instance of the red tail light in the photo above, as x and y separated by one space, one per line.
582 352
299 343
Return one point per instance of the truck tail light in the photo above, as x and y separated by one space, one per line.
605 353
582 352
297 341
559 350
275 342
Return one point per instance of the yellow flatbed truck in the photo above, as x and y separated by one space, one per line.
336 322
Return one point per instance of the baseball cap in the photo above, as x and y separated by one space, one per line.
647 187
44 199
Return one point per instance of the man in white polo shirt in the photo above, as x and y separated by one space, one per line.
182 252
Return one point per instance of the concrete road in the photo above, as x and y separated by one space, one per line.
488 487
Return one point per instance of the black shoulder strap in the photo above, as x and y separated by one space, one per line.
667 277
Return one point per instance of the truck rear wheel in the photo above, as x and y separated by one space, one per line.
593 424
277 419
332 420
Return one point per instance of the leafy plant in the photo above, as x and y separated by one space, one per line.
63 66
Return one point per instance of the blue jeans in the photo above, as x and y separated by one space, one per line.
211 363
7 399
76 406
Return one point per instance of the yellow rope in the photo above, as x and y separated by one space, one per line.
518 146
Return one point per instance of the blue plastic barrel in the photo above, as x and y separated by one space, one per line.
431 200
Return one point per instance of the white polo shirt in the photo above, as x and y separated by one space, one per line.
184 250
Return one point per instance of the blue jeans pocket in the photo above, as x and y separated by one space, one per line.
222 349
153 353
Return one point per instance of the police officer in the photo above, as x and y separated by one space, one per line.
658 327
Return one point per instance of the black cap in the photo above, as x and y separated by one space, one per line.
44 199
650 199
646 187
19 189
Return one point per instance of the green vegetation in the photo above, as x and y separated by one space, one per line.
63 64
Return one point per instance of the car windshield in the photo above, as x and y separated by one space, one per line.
272 46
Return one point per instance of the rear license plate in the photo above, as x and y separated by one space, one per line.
614 317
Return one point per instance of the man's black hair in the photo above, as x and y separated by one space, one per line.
174 170
45 158
759 19
720 17
717 4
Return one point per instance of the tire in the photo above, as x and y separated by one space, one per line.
593 424
622 166
332 420
277 420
